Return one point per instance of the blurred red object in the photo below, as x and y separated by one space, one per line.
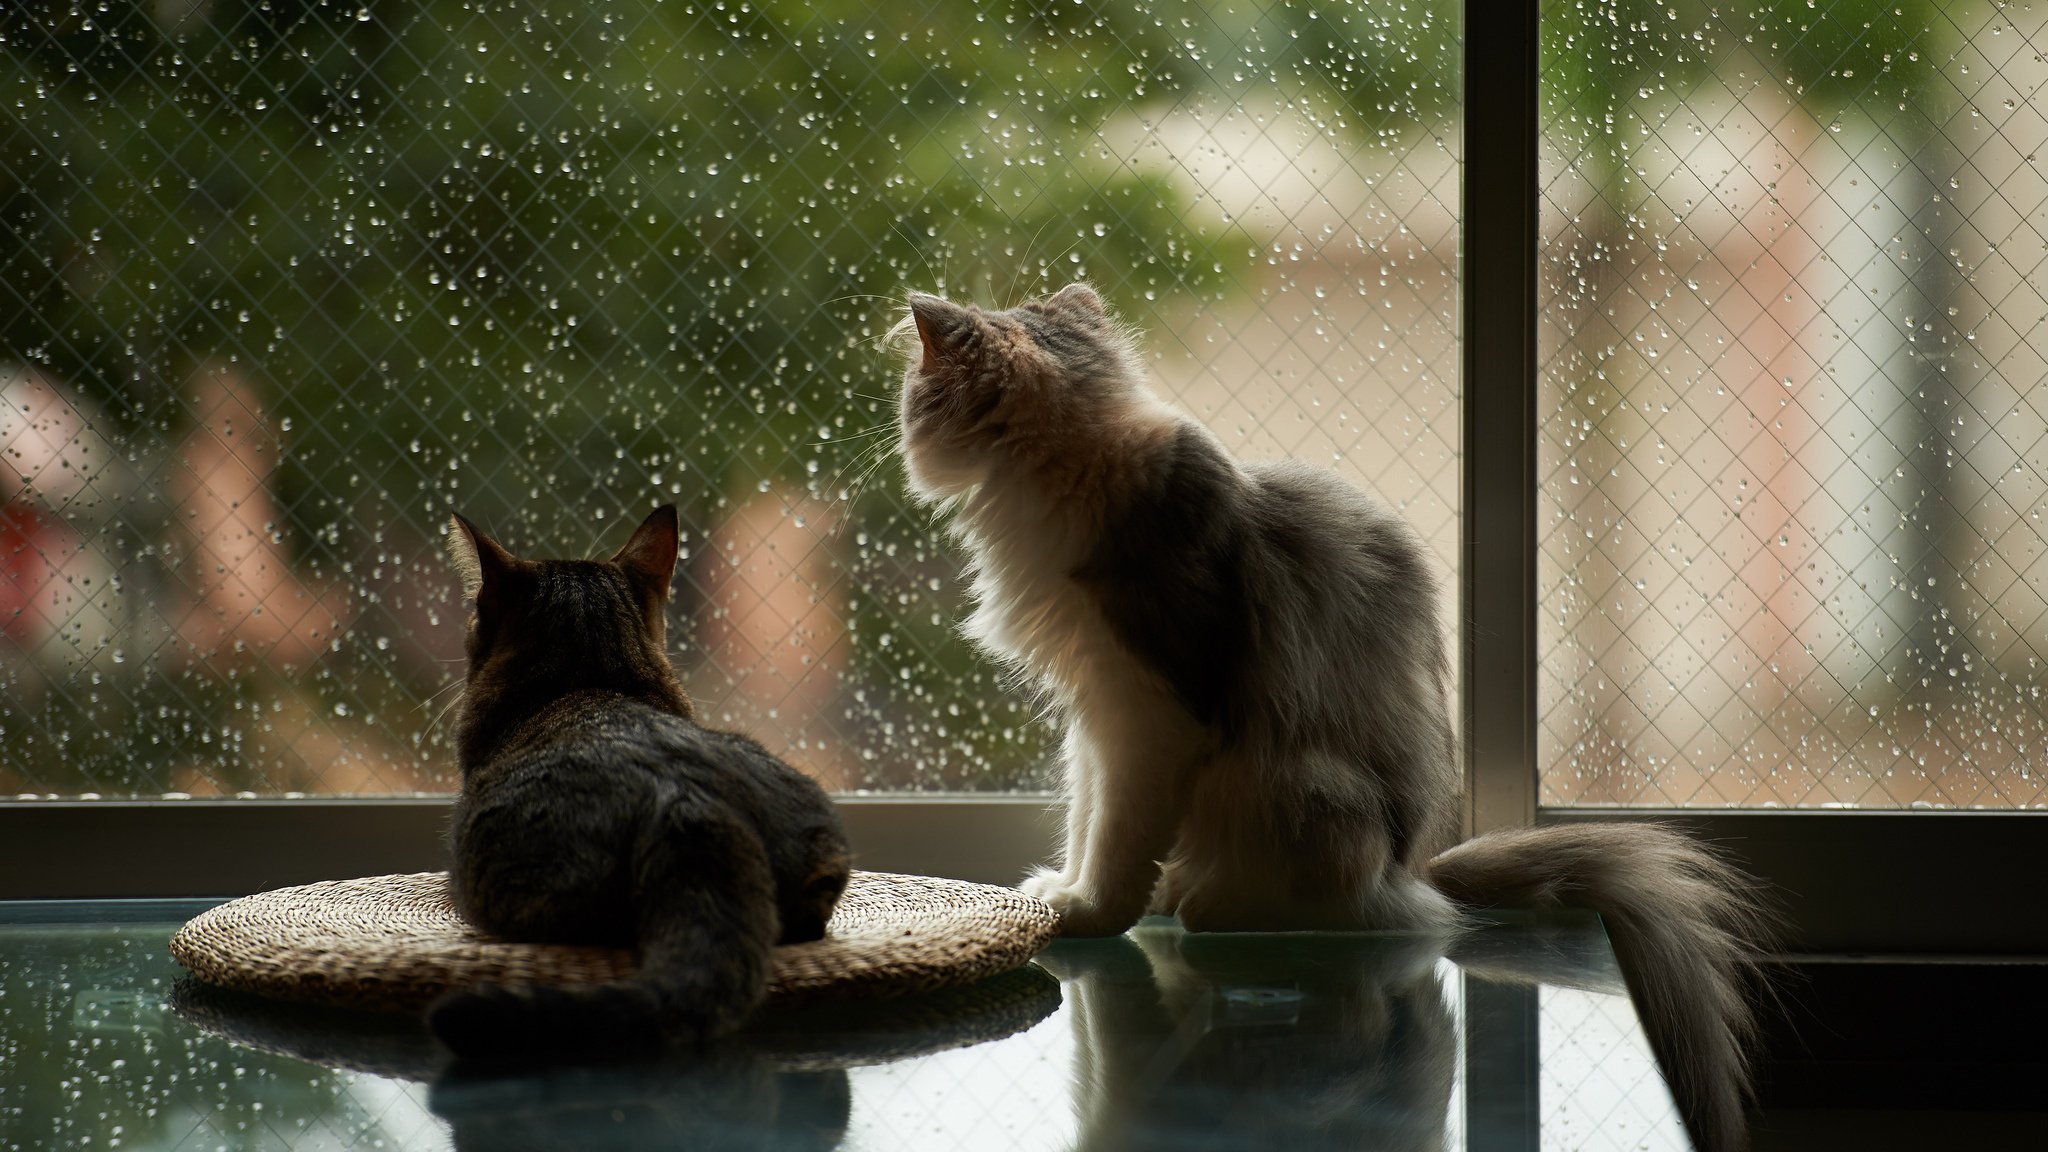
28 539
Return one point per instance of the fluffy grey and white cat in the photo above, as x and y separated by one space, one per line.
1253 681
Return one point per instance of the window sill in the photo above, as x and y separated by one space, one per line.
1918 882
77 849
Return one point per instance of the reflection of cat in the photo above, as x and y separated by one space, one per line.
1339 1041
594 810
725 1100
1254 682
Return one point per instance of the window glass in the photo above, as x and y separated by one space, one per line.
287 283
1793 437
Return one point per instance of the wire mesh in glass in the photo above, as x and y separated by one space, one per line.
1793 433
288 283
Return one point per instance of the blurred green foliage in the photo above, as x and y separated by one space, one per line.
1606 60
550 263
639 222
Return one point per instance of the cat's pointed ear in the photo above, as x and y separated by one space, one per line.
1081 298
649 558
942 327
481 561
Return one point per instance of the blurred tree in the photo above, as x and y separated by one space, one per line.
551 262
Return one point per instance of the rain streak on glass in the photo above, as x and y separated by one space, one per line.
288 283
1794 434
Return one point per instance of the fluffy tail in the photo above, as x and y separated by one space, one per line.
705 900
1685 926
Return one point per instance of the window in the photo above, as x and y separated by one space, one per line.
287 286
1792 437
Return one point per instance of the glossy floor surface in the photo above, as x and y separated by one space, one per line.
1519 1038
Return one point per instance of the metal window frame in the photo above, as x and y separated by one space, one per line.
1497 505
1902 882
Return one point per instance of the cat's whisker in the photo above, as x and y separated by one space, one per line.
881 340
850 441
860 485
1024 260
861 460
442 715
884 426
437 694
917 248
1045 269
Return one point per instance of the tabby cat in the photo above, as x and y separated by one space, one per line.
595 810
1252 675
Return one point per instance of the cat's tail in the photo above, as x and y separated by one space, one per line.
705 897
1685 926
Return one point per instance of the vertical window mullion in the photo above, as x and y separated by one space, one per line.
1497 595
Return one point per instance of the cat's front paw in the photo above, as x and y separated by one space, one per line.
1081 913
1043 881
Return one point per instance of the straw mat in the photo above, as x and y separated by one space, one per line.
396 943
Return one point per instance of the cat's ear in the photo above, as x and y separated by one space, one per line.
1081 298
942 326
649 558
481 561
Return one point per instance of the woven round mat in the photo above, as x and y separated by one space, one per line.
396 943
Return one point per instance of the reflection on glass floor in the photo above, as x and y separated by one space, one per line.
1158 1040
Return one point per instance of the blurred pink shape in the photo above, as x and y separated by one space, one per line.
29 577
245 597
775 628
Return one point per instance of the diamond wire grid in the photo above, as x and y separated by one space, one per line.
1793 443
287 284
1600 1087
1014 1094
96 1058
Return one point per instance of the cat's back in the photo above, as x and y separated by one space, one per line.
780 798
631 743
1320 531
595 755
604 769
